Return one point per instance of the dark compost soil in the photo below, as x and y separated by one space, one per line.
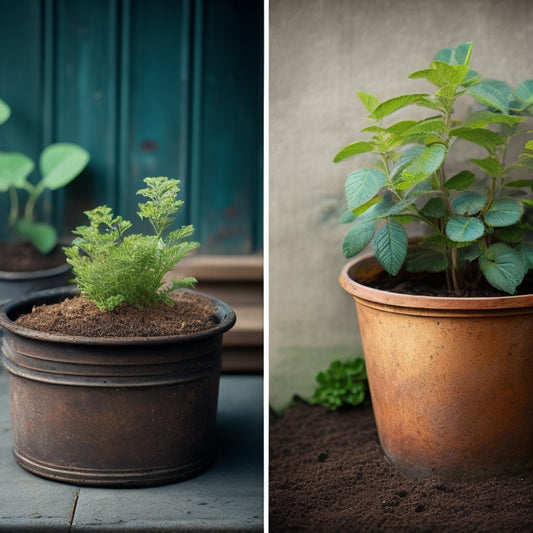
20 256
328 474
192 313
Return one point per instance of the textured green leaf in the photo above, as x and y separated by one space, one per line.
390 246
483 118
426 260
525 249
461 181
520 183
355 148
390 106
503 212
423 166
14 169
468 253
464 229
494 94
511 234
424 127
460 55
486 138
60 163
369 101
434 208
362 185
502 267
357 238
490 165
468 203
405 160
5 111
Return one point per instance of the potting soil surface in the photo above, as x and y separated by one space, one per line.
328 473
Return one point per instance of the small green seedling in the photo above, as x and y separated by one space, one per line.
343 383
112 268
59 164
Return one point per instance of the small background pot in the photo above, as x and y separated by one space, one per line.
451 379
112 411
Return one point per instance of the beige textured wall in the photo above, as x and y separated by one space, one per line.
321 51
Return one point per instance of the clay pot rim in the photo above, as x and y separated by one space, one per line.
224 312
365 293
6 275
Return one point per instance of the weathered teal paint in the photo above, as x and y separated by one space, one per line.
149 87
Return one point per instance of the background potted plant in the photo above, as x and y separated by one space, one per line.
446 337
118 385
35 260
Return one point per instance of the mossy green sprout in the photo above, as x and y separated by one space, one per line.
111 267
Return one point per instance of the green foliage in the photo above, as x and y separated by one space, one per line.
111 267
59 164
342 383
475 217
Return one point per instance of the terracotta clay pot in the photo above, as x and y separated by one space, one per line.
451 379
112 411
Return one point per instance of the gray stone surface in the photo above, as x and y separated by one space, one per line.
227 497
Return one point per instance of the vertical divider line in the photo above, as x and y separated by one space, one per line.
195 127
123 94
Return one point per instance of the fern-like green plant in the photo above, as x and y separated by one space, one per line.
112 267
475 216
343 383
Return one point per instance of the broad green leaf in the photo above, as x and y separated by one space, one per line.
357 238
461 181
424 259
450 74
460 55
434 208
423 166
390 106
437 239
14 169
405 159
511 234
486 138
41 235
464 229
468 203
424 127
468 253
494 94
347 217
369 101
385 209
525 249
362 185
520 183
525 91
390 246
490 165
60 163
362 208
503 212
5 111
502 267
355 148
483 118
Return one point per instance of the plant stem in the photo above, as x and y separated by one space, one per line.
13 212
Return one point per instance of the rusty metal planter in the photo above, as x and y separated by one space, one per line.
451 379
112 411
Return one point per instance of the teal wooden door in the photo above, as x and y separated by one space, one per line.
150 88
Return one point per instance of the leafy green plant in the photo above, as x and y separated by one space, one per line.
112 268
59 164
475 216
342 383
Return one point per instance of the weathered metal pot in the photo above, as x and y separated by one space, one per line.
451 379
16 284
112 411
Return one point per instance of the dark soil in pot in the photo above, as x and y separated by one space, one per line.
328 473
192 313
20 256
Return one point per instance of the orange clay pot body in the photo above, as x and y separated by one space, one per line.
451 379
